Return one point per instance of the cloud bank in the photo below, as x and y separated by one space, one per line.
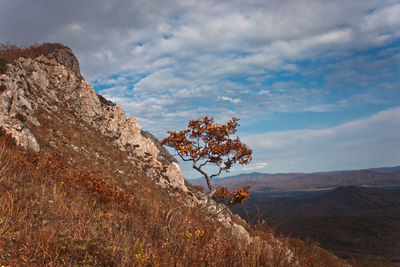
370 142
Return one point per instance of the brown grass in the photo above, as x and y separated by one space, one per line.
54 212
11 52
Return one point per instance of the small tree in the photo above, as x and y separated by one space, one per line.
206 143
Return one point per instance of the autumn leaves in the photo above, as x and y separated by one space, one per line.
207 143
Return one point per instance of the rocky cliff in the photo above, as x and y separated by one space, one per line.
47 81
52 84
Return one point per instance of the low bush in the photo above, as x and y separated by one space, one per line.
11 52
3 65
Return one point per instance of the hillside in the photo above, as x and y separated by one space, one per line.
81 184
351 221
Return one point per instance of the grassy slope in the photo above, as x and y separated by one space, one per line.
55 211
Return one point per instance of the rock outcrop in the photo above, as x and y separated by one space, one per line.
46 83
52 83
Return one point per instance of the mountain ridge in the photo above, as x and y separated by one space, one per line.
378 169
281 182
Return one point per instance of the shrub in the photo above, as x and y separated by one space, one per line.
11 52
207 143
3 64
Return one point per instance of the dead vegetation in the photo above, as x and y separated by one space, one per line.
58 207
11 52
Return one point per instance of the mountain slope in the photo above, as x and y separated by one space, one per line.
80 184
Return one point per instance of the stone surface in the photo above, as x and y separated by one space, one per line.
20 132
66 57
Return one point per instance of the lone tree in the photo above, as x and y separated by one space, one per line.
206 144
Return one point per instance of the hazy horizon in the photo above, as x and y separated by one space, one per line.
228 175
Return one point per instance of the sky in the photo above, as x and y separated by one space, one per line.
315 83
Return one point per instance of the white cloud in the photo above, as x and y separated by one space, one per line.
382 19
254 166
364 143
233 100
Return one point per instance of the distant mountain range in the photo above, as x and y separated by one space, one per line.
288 182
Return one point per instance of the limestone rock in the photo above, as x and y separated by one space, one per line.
164 156
64 55
54 79
20 132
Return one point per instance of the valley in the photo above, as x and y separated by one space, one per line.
353 222
353 214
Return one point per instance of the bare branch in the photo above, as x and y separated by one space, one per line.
204 163
218 173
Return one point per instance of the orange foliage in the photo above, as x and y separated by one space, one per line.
205 142
56 168
229 198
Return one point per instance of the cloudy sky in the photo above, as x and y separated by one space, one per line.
315 83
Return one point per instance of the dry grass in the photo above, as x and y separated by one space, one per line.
11 52
3 162
56 212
